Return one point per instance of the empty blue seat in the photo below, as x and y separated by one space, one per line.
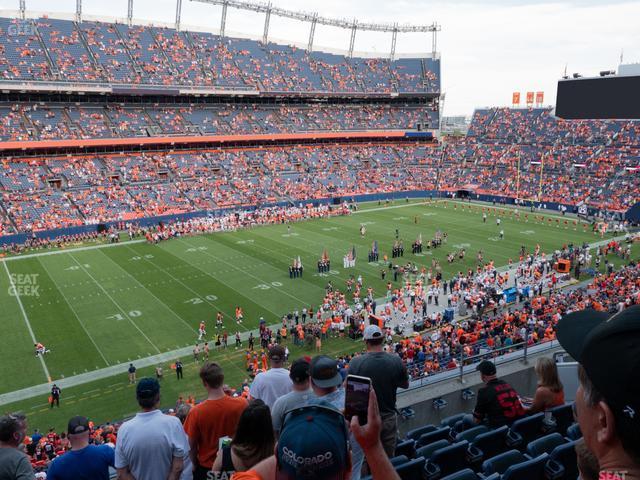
573 432
471 434
466 474
441 433
500 463
529 428
447 460
563 416
452 420
399 460
416 432
544 444
407 448
494 442
565 455
529 470
428 450
411 470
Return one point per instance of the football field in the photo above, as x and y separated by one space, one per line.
96 307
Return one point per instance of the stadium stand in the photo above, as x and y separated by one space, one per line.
95 52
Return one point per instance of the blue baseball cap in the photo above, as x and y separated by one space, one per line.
313 444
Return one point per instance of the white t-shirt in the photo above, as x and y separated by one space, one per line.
270 385
147 444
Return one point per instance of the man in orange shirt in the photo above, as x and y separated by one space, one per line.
210 420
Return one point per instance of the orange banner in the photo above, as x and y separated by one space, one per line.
515 99
539 98
529 98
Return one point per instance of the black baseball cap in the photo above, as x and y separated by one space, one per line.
486 368
608 348
299 371
147 388
324 372
78 425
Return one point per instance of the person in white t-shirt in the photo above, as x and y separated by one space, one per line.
151 445
270 385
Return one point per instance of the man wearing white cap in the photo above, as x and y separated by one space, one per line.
387 374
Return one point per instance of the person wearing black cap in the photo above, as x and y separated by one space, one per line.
497 402
84 461
608 397
299 396
151 445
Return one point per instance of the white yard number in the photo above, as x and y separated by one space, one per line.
146 257
118 317
77 267
264 286
195 249
197 300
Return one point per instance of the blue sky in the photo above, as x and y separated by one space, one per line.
489 48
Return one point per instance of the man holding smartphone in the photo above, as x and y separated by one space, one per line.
387 374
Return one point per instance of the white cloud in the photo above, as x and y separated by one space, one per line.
489 48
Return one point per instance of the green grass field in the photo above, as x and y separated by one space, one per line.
101 307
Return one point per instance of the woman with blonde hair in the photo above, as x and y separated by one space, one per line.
549 392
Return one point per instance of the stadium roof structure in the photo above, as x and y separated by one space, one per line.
313 18
268 9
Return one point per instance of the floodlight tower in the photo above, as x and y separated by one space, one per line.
130 12
178 13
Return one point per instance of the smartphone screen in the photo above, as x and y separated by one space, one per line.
357 398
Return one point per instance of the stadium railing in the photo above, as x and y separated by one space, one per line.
499 356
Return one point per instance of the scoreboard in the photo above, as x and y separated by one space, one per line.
602 97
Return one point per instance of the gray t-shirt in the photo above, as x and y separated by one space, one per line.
14 465
387 374
270 385
288 402
147 444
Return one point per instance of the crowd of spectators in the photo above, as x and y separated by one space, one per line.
31 121
133 54
531 154
105 187
52 192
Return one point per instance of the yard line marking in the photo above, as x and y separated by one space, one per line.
158 267
75 313
247 273
26 320
278 315
191 329
79 249
115 303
